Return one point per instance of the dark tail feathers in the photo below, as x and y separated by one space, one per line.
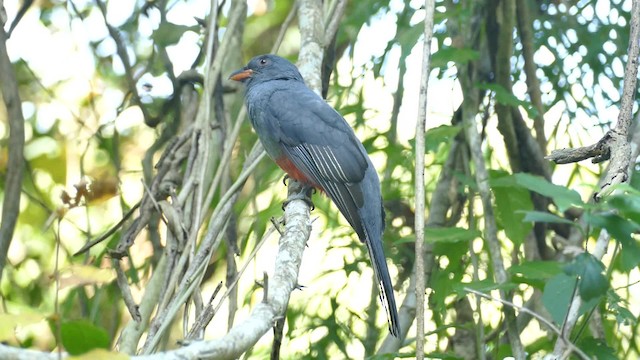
379 264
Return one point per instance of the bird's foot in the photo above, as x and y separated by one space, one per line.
299 191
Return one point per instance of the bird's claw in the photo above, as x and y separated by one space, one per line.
304 195
285 178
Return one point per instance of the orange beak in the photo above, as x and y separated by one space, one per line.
241 74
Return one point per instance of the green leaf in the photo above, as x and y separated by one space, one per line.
545 217
557 296
628 205
623 315
169 33
460 56
537 270
81 336
621 230
444 133
449 234
506 97
563 197
510 206
593 283
597 348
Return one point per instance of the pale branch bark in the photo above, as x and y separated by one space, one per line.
12 353
615 143
419 177
312 37
15 162
598 152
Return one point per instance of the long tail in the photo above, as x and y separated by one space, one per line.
379 264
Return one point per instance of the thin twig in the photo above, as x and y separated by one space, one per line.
56 274
419 177
265 286
121 50
533 84
244 267
205 317
283 28
332 20
207 247
539 317
125 291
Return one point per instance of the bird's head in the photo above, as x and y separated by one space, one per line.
264 68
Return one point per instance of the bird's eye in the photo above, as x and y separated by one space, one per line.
263 61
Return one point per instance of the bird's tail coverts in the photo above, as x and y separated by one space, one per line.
381 271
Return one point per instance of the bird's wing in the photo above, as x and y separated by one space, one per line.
323 147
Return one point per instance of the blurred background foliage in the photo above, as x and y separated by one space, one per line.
96 125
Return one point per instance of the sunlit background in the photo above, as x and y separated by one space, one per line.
75 103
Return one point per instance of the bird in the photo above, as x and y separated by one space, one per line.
315 145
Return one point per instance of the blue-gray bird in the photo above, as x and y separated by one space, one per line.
314 145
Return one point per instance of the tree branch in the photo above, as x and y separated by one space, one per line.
614 144
533 85
505 14
467 78
620 168
282 282
15 163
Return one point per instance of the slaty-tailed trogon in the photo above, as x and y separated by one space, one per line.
313 143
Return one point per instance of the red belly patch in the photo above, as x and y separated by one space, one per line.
289 167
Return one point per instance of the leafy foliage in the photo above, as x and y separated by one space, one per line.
97 124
